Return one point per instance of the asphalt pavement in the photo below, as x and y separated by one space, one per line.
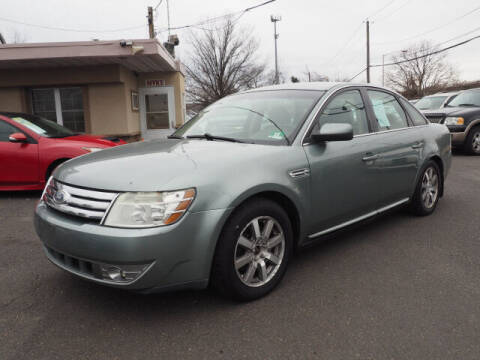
399 287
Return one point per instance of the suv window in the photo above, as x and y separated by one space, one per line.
6 130
346 108
388 112
414 114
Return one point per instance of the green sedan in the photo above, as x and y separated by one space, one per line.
229 197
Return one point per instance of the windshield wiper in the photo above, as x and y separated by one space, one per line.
211 137
174 137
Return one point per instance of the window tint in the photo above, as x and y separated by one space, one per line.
6 130
346 108
414 114
387 110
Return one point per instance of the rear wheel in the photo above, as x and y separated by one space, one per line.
253 251
472 143
427 192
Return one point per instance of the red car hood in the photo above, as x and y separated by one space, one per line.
97 140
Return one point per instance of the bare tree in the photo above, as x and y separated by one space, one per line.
224 61
422 74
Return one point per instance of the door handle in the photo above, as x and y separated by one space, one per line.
371 157
417 145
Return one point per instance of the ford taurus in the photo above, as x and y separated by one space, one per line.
229 196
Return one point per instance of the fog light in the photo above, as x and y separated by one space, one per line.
122 273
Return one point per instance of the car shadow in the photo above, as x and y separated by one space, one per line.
111 300
30 194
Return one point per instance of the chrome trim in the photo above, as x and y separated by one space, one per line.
360 218
91 194
299 173
89 204
326 97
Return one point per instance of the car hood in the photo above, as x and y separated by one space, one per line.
95 140
454 111
160 165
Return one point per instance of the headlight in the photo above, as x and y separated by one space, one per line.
149 209
454 121
92 149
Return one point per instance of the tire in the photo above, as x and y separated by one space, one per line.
428 190
247 266
52 168
472 143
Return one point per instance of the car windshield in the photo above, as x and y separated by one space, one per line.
264 117
466 98
42 126
430 102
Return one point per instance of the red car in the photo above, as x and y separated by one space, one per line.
31 147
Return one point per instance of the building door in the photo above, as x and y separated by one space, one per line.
157 112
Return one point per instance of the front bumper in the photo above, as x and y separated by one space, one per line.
177 256
459 134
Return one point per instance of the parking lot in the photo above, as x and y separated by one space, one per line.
400 287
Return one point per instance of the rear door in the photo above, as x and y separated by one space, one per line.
344 174
18 161
399 146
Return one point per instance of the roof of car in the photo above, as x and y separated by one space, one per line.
444 94
318 85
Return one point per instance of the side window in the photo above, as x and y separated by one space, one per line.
387 110
414 114
6 130
346 108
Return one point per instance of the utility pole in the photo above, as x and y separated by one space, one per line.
275 19
383 70
368 51
151 30
168 17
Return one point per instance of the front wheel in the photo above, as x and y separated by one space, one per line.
427 191
472 143
253 251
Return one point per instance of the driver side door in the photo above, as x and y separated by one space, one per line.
343 174
18 161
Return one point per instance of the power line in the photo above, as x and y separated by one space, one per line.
394 11
214 19
70 29
156 7
431 53
431 30
381 9
355 33
459 36
358 74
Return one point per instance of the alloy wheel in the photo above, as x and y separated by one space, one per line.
476 142
259 251
430 186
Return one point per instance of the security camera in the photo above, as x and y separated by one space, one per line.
125 43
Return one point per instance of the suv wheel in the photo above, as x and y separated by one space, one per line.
472 144
253 251
427 192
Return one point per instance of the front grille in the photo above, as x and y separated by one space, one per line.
72 200
83 267
435 117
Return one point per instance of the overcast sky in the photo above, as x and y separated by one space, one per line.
326 36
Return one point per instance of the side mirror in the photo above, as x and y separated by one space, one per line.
18 138
332 132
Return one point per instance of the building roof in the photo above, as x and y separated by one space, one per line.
150 55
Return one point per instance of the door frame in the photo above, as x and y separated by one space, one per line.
159 133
